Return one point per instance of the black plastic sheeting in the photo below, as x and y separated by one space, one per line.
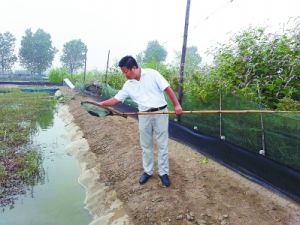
255 167
266 172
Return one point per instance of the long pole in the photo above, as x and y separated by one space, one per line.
116 112
209 112
183 53
126 114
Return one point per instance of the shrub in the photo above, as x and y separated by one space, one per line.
57 75
116 80
288 104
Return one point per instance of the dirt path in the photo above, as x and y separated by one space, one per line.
201 193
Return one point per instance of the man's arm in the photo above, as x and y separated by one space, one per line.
172 96
109 102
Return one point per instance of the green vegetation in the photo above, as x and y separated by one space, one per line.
256 63
21 114
30 169
36 53
57 75
7 56
155 54
74 54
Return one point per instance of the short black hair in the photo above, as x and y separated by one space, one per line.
129 62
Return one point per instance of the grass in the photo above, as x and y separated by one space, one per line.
30 167
20 115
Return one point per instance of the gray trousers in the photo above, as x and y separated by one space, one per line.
150 127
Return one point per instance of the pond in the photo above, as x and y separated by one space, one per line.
59 198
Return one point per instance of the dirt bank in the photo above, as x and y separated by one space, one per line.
201 192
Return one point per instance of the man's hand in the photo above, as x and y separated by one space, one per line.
109 102
178 110
172 96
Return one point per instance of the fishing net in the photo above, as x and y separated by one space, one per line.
100 111
274 135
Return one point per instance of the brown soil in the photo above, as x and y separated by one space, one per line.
201 192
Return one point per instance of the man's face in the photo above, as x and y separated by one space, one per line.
129 73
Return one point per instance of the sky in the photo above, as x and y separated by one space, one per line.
124 27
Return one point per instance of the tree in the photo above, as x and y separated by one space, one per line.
255 61
154 53
74 53
7 56
139 58
192 60
36 53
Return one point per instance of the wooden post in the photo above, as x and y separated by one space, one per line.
183 53
263 150
84 72
107 62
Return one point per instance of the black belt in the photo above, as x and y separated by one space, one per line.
155 109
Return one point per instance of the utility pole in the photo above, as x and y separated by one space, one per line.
183 53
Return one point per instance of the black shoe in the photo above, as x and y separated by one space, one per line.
144 178
165 180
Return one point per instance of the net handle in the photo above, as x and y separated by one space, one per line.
125 114
110 109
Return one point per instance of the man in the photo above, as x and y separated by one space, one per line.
146 87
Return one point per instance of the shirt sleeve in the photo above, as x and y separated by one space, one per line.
122 95
161 81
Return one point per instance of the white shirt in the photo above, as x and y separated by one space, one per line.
148 92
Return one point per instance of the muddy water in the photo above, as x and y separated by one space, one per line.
59 200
